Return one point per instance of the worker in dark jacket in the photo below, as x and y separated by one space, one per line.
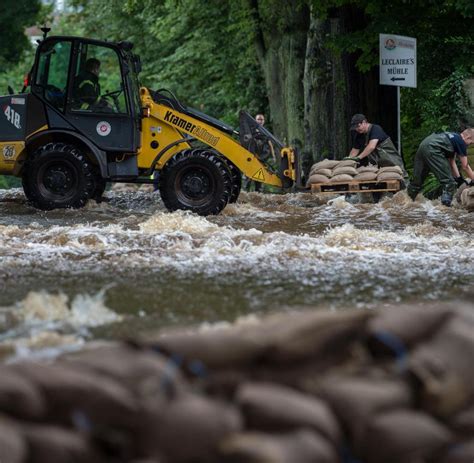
370 144
437 154
87 85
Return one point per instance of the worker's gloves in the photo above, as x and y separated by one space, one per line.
460 181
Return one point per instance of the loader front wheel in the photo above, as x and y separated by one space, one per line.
197 181
236 176
58 176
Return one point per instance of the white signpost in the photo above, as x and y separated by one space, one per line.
397 65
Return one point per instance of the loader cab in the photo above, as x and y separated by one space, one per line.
90 87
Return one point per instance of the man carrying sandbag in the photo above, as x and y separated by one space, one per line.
437 153
370 144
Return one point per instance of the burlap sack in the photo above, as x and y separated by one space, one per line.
317 178
366 176
346 163
463 422
396 169
369 168
190 429
467 198
406 326
342 178
344 170
300 447
460 452
100 399
325 164
13 448
443 367
139 370
47 444
325 172
19 397
389 176
356 400
405 436
270 407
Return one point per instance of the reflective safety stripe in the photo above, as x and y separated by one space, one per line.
86 82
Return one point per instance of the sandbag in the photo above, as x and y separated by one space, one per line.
270 407
443 367
357 400
137 369
369 168
404 436
344 170
406 326
463 422
13 448
460 452
326 172
342 178
366 176
346 163
52 444
325 164
309 335
396 169
317 178
19 397
299 447
190 428
467 198
389 176
66 390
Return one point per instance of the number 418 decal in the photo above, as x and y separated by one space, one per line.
12 116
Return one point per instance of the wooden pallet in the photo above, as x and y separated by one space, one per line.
356 187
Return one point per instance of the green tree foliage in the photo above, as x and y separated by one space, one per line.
15 16
200 50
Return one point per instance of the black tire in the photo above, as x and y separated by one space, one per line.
236 176
58 176
197 181
99 186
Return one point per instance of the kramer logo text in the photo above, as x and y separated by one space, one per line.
196 130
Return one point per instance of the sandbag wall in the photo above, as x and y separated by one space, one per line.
329 171
392 386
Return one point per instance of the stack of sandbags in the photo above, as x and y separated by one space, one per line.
395 385
330 171
389 173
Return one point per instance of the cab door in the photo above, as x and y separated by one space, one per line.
98 103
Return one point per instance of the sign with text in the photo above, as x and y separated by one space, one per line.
397 60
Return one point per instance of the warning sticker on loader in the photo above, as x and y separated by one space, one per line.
259 175
9 152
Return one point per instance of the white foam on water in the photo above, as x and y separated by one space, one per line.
44 323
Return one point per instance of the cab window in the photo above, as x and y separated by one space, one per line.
98 86
52 75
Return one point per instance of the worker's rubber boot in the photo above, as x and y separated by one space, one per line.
446 198
412 193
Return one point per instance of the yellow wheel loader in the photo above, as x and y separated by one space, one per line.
82 120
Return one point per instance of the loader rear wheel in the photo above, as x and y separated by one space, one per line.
197 181
58 176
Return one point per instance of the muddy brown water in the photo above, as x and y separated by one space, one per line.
118 268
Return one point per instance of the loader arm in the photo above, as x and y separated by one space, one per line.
166 125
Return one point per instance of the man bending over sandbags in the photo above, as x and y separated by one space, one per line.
371 143
437 153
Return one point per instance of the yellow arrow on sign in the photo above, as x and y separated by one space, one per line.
259 175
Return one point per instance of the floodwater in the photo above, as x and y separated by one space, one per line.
125 266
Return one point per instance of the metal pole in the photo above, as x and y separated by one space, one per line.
398 122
